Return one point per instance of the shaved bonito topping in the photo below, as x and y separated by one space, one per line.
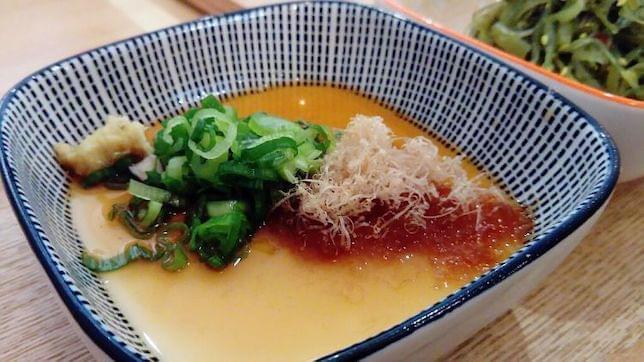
370 165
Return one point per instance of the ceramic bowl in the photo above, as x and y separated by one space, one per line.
622 117
545 151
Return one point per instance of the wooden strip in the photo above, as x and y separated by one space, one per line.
150 15
214 7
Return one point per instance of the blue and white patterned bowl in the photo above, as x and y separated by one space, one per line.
545 151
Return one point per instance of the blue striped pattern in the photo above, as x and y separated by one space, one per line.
545 152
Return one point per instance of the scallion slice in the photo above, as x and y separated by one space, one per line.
220 148
147 192
132 251
217 208
152 213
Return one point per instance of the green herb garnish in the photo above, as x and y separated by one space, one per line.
223 173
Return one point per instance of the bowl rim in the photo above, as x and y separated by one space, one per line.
118 350
396 6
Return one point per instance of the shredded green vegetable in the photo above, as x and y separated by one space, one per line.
223 173
596 42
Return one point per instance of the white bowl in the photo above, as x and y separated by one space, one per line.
547 153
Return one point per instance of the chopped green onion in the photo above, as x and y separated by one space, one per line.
164 234
175 165
147 192
226 230
323 137
190 113
131 252
210 116
173 257
220 147
277 157
116 183
264 124
198 130
236 168
216 261
96 177
126 218
218 208
211 101
173 123
255 149
287 171
152 213
209 155
206 169
230 112
113 176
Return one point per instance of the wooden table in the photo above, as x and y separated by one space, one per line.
589 308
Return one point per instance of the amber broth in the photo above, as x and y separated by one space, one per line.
273 305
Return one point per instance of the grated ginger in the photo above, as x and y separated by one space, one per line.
367 167
119 137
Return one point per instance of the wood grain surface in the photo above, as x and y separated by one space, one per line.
590 308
